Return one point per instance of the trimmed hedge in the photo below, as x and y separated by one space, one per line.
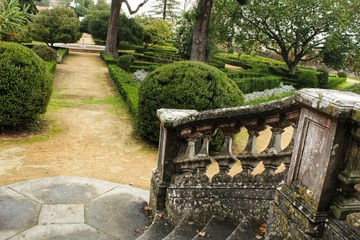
125 61
323 78
108 58
249 85
62 52
127 86
335 81
183 85
51 66
45 52
355 88
25 85
307 79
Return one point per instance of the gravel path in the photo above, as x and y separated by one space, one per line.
90 133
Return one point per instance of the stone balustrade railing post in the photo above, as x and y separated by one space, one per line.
169 147
301 207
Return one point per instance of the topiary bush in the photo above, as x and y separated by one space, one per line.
183 85
342 74
307 79
125 61
323 78
45 52
25 85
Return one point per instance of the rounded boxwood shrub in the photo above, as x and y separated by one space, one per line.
25 85
45 52
125 61
183 85
342 74
307 79
323 78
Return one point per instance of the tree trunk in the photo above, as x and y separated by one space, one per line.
201 31
292 67
111 38
164 10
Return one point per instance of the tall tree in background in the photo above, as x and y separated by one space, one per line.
201 30
297 30
168 9
111 39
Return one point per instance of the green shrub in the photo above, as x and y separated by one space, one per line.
217 64
342 74
335 81
51 66
307 79
45 52
127 86
323 78
108 58
139 50
125 61
183 85
25 85
257 84
355 88
62 52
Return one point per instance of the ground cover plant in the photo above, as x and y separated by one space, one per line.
25 85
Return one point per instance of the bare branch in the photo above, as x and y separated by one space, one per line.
138 7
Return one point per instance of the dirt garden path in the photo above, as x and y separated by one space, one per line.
89 132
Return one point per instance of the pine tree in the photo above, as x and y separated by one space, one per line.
167 9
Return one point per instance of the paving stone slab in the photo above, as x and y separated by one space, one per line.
62 213
17 213
62 232
130 219
63 190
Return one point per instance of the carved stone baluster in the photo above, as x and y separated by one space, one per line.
225 158
272 156
248 157
203 157
184 161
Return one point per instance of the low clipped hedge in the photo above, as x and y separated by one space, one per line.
307 79
183 85
25 85
355 88
62 52
45 52
108 58
127 86
125 61
257 84
334 82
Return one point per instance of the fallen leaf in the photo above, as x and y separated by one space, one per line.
159 216
147 208
259 237
262 229
201 234
190 222
137 230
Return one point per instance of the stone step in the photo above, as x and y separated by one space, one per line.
158 230
186 229
248 228
217 228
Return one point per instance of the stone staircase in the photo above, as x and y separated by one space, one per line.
216 228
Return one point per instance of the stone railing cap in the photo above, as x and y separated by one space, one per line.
338 104
168 116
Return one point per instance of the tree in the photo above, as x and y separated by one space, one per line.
156 32
82 7
111 39
201 29
96 23
101 5
295 29
29 5
13 20
168 9
56 25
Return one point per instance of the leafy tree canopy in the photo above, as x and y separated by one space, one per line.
295 29
96 23
56 25
156 32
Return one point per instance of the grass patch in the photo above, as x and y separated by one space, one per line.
268 99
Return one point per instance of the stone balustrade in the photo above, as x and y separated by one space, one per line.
316 194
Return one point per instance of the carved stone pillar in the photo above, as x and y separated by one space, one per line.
301 206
